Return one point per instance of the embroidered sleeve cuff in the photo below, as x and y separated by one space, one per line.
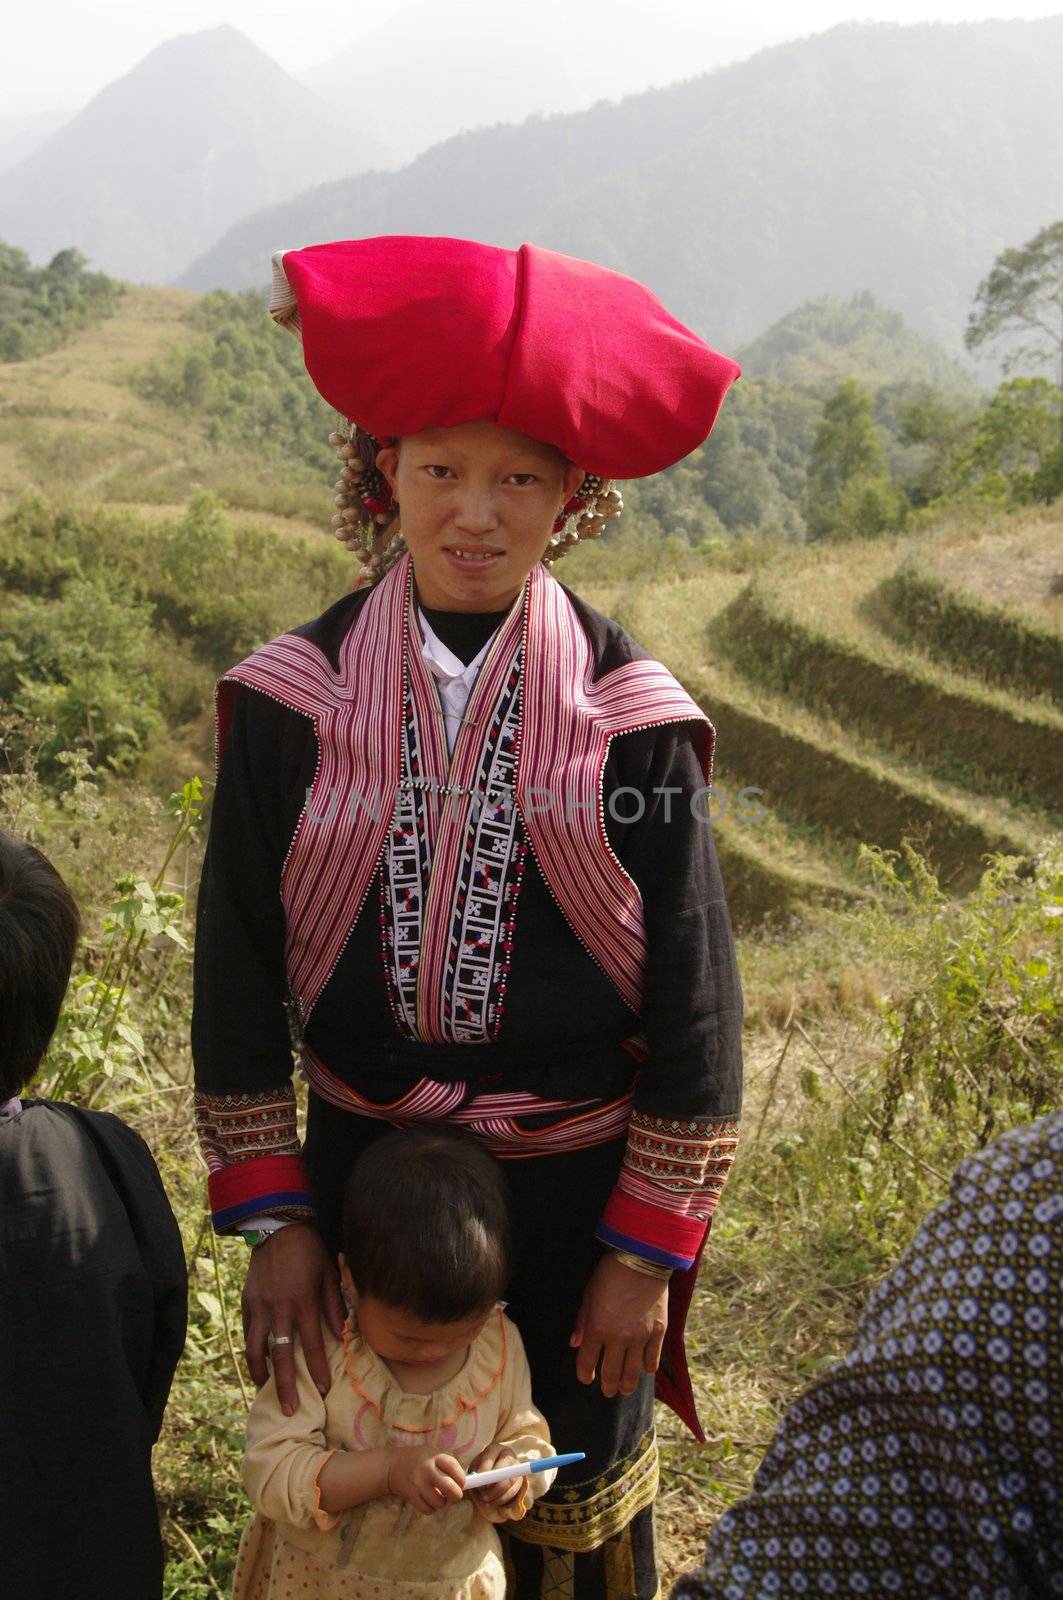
277 1184
646 1230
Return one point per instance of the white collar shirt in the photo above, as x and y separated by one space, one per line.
454 678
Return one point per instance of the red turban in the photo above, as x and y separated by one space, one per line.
405 333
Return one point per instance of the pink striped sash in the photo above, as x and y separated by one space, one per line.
493 1118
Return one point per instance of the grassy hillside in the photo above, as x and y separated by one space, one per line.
864 696
850 738
73 424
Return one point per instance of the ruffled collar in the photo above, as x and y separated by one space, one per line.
377 1385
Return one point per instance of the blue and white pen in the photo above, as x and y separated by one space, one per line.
520 1469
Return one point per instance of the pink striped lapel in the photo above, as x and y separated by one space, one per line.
357 713
567 725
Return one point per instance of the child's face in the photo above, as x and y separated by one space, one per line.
398 1336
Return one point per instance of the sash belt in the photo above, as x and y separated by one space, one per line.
511 1122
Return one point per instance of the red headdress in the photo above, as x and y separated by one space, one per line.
406 333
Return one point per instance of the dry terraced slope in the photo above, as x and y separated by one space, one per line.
848 736
72 425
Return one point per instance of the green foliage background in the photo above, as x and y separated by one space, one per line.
246 380
42 307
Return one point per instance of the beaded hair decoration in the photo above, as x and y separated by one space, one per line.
367 518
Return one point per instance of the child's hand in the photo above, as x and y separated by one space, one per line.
425 1478
493 1497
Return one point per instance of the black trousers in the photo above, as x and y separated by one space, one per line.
591 1537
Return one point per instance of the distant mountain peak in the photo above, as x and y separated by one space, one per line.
217 52
203 129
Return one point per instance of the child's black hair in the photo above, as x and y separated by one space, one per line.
426 1225
39 926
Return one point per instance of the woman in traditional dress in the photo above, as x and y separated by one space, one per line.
460 863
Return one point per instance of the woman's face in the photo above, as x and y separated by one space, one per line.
477 505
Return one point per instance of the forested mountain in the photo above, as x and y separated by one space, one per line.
826 341
894 159
206 128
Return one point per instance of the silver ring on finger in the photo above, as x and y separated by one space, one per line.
280 1338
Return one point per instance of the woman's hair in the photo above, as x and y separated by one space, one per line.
426 1225
39 926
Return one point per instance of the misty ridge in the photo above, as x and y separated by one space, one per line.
880 158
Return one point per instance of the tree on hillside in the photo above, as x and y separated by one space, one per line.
42 307
934 431
1024 294
849 492
1014 454
245 379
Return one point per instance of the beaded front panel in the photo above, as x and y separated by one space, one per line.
406 874
480 902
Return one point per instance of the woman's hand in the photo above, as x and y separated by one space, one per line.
425 1478
291 1283
490 1500
620 1327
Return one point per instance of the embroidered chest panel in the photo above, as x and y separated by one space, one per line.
472 910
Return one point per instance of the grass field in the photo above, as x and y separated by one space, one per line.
852 727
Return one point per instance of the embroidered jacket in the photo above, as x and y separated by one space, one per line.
531 938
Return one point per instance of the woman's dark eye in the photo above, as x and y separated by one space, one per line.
437 471
522 479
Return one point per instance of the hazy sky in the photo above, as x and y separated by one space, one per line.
56 55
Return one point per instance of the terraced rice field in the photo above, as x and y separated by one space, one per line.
847 735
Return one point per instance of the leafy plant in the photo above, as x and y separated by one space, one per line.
849 492
97 1038
1014 454
42 307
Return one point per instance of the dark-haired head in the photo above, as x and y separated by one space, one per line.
426 1225
39 927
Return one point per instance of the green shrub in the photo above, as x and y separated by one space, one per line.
1014 455
112 625
867 507
42 307
246 377
80 665
974 1036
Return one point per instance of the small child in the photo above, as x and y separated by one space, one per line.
429 1382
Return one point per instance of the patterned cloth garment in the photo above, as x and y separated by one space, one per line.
930 1462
